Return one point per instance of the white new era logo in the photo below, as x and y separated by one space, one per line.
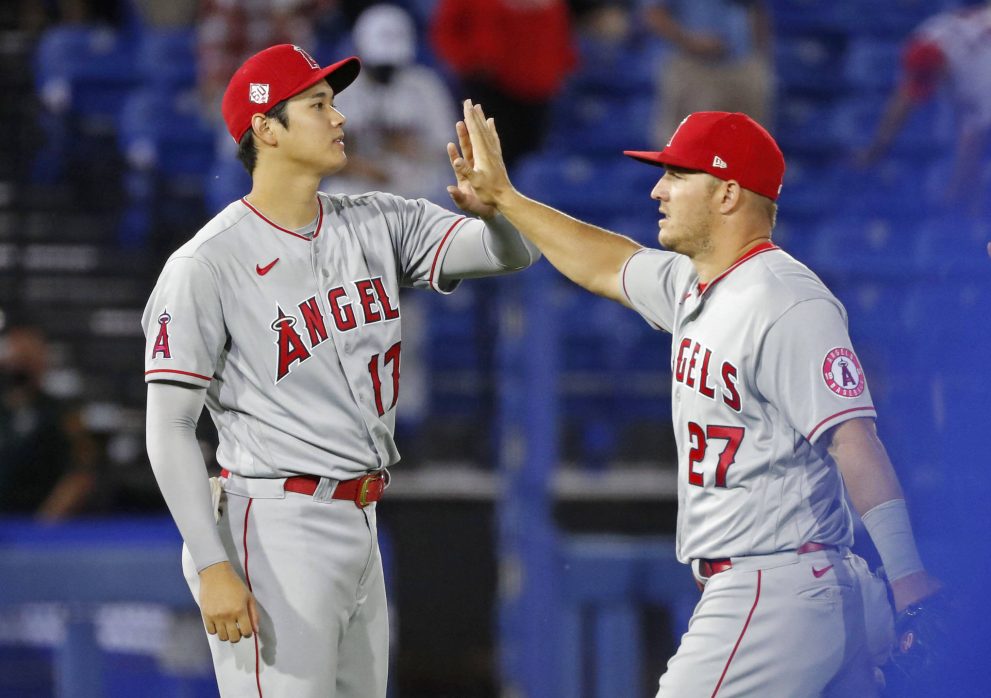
258 92
719 162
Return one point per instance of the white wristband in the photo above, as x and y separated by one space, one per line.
891 531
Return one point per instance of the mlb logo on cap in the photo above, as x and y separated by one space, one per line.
258 93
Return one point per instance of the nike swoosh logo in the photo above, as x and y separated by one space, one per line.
818 573
262 270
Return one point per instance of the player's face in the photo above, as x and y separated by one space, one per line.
315 137
687 210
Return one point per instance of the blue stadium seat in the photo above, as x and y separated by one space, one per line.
85 70
809 62
227 181
811 187
807 125
615 68
872 64
168 149
952 246
791 16
599 125
896 186
881 312
795 235
928 131
897 18
166 58
588 188
166 131
875 247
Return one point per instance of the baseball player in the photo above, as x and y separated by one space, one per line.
282 315
951 52
773 419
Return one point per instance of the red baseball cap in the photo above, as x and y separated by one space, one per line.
275 74
726 145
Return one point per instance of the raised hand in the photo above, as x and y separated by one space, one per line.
479 168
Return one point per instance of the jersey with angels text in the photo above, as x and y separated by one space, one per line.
762 367
297 338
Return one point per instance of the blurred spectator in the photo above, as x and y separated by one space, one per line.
163 15
35 15
951 50
229 31
400 115
47 457
512 57
722 60
608 21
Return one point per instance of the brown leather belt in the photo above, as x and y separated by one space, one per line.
361 490
707 568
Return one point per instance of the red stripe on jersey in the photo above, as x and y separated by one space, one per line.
440 247
753 252
852 409
181 373
739 639
247 579
285 230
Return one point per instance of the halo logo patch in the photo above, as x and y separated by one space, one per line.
843 374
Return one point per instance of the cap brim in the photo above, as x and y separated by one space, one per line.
659 159
341 74
338 75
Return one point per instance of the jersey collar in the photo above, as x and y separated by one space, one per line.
316 233
752 252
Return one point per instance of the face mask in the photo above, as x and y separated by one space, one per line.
14 378
381 74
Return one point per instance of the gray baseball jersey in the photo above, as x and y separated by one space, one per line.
763 366
297 338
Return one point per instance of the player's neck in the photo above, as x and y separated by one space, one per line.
711 264
285 199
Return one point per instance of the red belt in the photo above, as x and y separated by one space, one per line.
707 568
361 490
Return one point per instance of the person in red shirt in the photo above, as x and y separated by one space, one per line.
512 56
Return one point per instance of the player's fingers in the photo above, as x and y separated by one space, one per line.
497 144
454 156
233 632
253 613
244 624
464 140
211 627
222 631
475 134
461 168
481 136
457 196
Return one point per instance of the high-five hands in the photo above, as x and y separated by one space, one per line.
479 168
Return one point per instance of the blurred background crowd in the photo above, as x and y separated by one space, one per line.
113 153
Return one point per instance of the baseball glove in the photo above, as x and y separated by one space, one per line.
921 638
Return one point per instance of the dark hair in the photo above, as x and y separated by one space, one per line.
247 151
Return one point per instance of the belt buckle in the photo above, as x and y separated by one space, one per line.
364 489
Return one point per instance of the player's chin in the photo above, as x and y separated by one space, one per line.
665 235
333 165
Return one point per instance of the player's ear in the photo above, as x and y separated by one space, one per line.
730 196
260 126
